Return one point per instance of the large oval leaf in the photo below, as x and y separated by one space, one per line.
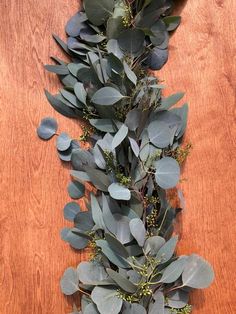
90 273
47 128
106 300
119 192
159 134
167 172
69 281
107 96
197 273
138 230
98 11
131 41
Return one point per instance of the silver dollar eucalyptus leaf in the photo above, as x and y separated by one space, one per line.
69 281
48 128
167 172
106 300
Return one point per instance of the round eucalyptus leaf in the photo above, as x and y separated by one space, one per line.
131 41
76 190
158 306
75 24
133 308
71 210
119 192
84 221
63 142
98 11
69 281
197 273
106 300
47 128
90 273
77 241
167 172
90 36
178 298
158 30
157 58
159 134
91 308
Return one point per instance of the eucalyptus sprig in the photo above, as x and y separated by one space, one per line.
135 156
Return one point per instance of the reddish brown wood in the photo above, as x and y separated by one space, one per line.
202 63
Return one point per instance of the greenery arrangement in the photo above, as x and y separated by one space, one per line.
135 156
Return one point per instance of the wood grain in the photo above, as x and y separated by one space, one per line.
202 63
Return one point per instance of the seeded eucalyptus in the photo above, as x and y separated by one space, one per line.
135 156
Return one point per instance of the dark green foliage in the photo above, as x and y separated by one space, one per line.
132 160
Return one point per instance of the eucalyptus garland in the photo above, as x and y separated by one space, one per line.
135 157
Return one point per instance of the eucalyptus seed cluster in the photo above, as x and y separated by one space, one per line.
127 18
186 310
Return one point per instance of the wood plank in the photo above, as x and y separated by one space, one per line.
202 63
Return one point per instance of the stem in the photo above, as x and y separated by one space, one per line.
84 292
164 217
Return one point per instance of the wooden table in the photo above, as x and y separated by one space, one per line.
33 181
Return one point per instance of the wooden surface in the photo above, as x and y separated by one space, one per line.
202 63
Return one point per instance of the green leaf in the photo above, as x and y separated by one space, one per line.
159 134
197 273
114 27
153 245
84 221
75 238
47 128
133 119
130 74
167 103
178 298
98 178
122 282
172 22
174 270
71 210
80 176
119 192
133 308
116 259
120 136
96 212
69 281
60 106
116 246
90 273
91 308
57 69
76 190
104 125
138 230
158 306
106 300
131 41
80 92
167 172
113 47
63 142
107 96
98 11
167 250
134 146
